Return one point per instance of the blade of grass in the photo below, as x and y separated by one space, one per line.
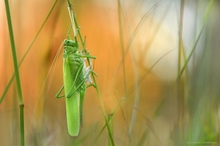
202 95
26 52
109 119
180 35
136 97
111 124
135 33
150 126
180 83
181 135
211 3
138 81
18 83
124 114
143 138
150 69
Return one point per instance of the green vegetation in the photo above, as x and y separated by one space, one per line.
131 103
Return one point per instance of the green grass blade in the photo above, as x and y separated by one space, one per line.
180 35
122 45
131 90
26 52
143 139
150 125
211 3
135 33
111 124
18 83
22 132
13 48
109 119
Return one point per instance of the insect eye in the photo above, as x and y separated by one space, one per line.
65 42
69 43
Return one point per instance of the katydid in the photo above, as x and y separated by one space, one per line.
75 75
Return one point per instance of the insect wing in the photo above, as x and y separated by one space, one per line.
72 103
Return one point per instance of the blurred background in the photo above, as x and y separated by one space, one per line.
138 62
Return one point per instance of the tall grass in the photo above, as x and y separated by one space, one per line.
18 84
132 104
16 66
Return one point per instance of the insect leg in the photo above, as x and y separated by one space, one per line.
82 94
85 78
74 82
59 92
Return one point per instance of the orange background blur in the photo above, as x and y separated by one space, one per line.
99 21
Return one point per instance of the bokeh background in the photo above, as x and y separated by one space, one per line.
136 44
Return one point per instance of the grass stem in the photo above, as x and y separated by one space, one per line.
18 83
26 52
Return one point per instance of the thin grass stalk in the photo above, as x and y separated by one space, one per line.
180 34
142 139
98 91
122 45
93 74
184 68
111 124
123 58
18 83
150 125
103 110
211 3
13 51
150 69
136 98
109 118
218 121
180 86
71 14
196 124
121 34
26 52
22 132
135 33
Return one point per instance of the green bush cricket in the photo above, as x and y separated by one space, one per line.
75 75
